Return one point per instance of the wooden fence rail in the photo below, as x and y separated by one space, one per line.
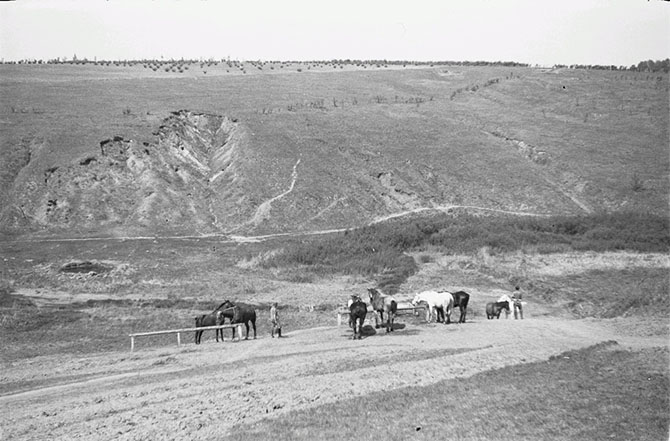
237 326
345 311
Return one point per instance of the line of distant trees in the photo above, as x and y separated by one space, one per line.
642 66
337 62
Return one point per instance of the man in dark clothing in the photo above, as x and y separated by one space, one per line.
516 300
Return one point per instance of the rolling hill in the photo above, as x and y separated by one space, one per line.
113 151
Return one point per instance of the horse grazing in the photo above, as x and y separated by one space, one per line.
461 299
383 303
436 300
493 309
357 312
239 313
215 318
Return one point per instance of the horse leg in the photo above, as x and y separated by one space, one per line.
254 326
439 314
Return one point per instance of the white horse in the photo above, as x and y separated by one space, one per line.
508 299
436 300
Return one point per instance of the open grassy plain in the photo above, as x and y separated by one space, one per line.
320 184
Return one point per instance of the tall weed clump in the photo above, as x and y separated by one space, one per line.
377 251
598 232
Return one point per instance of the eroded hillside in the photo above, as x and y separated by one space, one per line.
185 181
282 153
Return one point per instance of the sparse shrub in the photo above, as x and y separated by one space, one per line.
636 183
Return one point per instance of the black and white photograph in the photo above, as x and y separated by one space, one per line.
337 220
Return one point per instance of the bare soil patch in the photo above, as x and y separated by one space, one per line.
201 392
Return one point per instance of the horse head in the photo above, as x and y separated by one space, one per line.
226 304
237 316
416 300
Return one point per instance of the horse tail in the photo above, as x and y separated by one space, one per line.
394 307
466 300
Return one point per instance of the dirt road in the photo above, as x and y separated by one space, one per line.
196 392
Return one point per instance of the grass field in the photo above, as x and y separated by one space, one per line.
586 394
371 143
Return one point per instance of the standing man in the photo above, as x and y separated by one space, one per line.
516 300
274 319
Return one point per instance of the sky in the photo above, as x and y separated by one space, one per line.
605 32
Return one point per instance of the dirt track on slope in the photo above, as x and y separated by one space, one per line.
196 392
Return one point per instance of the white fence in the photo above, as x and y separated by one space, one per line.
415 309
237 326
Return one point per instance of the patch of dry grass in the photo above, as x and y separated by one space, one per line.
585 284
597 393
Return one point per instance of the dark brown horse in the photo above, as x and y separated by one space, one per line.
461 299
493 309
215 318
357 312
239 313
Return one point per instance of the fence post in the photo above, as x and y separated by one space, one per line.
132 343
239 332
339 318
178 338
